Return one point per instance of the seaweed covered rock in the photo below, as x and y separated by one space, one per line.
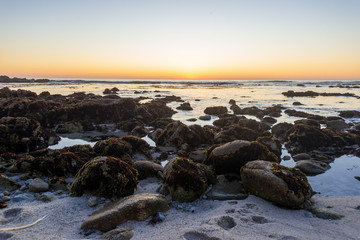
148 169
235 132
272 144
8 184
138 145
187 180
84 152
279 130
176 134
304 138
230 157
287 187
105 177
135 207
113 147
226 121
20 134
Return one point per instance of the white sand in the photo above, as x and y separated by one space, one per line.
64 217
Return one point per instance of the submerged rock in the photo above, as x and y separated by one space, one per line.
105 177
312 167
230 157
136 207
280 185
187 180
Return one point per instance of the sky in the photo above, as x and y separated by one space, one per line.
212 39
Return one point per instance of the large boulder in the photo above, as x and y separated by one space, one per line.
136 207
280 185
106 177
186 180
20 134
176 134
230 157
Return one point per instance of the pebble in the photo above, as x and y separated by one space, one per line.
38 185
286 157
192 209
92 202
6 193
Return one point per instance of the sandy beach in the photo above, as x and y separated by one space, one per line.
252 218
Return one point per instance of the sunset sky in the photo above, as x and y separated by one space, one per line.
243 39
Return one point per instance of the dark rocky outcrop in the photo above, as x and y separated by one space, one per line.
185 106
235 132
148 169
282 186
217 110
20 134
176 134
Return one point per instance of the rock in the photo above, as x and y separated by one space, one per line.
215 110
350 114
45 198
134 207
38 185
193 235
23 197
280 129
191 119
230 157
20 134
92 202
301 156
235 132
69 127
197 155
282 186
326 213
297 103
312 167
176 134
357 178
232 102
138 145
305 138
286 157
185 106
225 189
337 124
148 169
114 147
124 233
187 180
272 144
107 91
105 177
8 184
205 118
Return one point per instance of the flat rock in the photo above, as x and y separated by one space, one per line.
226 190
134 207
326 213
301 156
312 167
124 233
38 185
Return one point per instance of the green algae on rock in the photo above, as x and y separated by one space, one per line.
105 177
283 186
187 180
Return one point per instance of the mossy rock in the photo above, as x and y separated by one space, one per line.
84 152
230 157
138 145
283 186
187 180
114 147
105 177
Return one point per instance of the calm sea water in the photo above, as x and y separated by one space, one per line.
339 180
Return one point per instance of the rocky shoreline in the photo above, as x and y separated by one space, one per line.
229 161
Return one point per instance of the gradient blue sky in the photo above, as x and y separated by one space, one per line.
181 39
